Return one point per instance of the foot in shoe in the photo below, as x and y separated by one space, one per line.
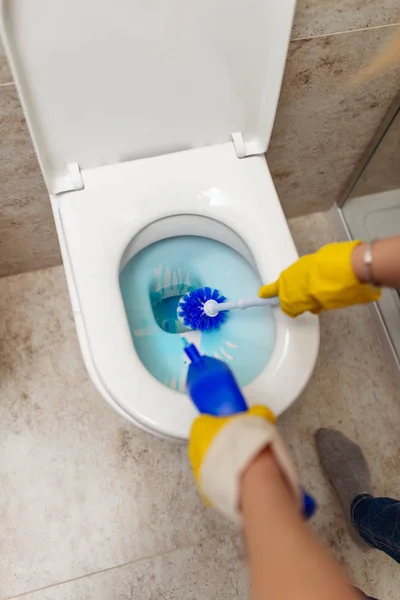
347 469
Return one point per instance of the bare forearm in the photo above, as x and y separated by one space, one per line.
385 266
286 560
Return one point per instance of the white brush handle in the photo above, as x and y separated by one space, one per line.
212 307
249 303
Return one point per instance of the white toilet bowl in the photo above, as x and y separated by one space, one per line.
208 182
173 146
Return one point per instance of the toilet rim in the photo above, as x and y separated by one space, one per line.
267 387
94 270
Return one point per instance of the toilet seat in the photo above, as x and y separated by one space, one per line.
140 111
94 232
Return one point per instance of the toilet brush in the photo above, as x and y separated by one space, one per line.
206 309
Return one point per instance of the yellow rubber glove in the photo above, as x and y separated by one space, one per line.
220 449
321 281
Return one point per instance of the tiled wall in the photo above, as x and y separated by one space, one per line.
323 124
28 239
325 120
383 171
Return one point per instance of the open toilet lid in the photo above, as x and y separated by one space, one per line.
107 81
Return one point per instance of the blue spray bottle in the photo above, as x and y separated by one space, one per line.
214 391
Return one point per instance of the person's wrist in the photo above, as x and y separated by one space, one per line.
357 262
262 482
257 474
262 467
364 272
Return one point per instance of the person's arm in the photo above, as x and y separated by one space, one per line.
286 561
329 279
244 469
385 266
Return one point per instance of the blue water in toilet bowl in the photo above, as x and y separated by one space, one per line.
152 283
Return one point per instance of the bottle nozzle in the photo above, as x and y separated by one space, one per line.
191 351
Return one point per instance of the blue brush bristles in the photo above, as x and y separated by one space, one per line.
191 310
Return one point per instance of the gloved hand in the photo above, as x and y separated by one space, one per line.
321 281
220 449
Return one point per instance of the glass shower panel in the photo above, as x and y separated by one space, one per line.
371 208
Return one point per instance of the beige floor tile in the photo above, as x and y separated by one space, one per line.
81 489
211 570
354 392
316 17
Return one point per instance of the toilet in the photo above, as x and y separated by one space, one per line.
150 120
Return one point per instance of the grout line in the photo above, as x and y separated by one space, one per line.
130 562
8 84
323 35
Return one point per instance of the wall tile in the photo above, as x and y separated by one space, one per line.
383 170
28 239
324 121
316 17
5 74
323 125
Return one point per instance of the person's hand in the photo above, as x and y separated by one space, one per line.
321 281
221 449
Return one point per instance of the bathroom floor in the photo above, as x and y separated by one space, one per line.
91 507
